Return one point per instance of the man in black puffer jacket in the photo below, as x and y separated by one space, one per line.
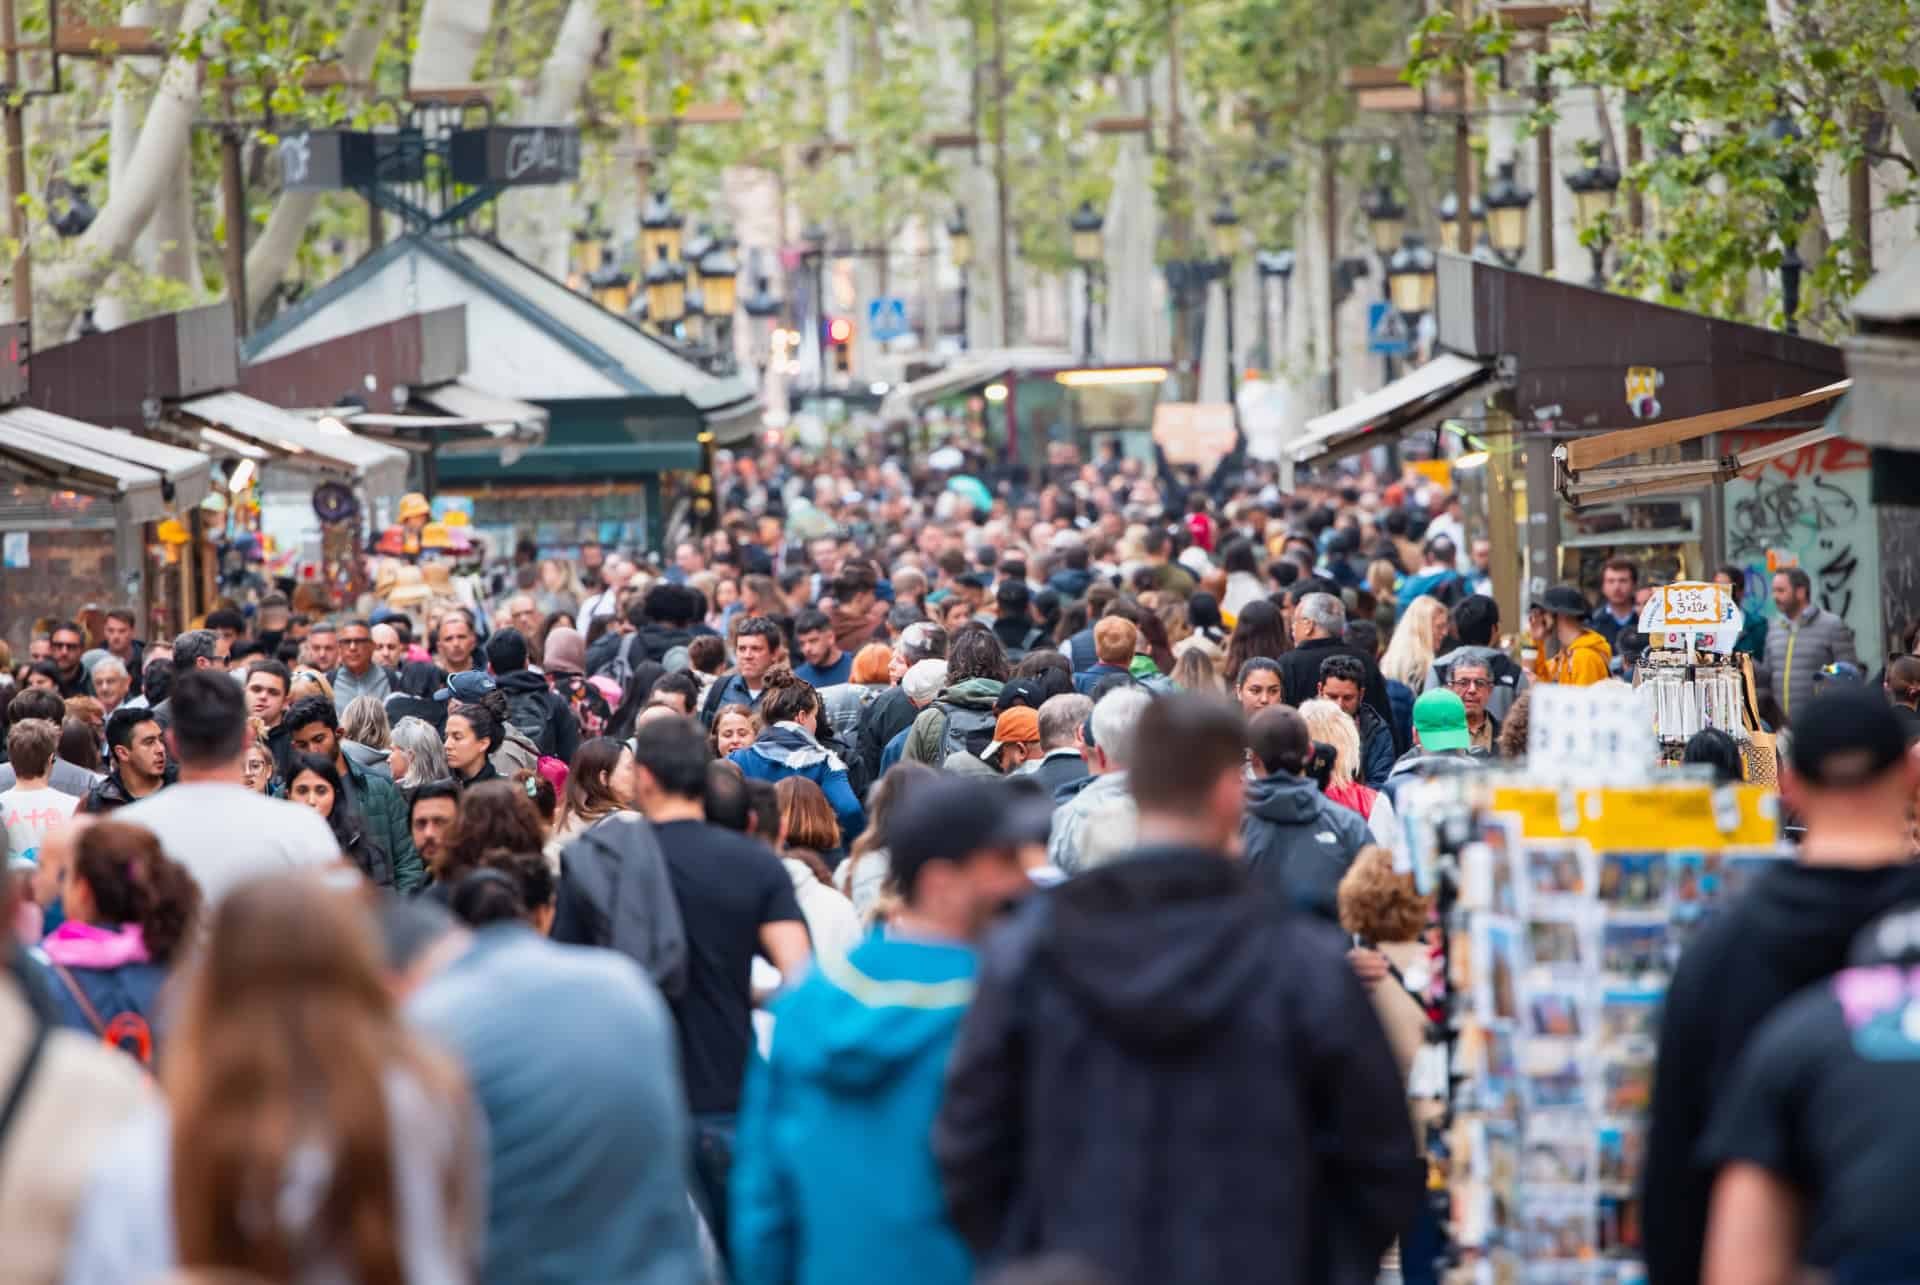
1299 842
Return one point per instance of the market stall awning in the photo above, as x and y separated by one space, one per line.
138 491
186 473
1407 402
1580 482
301 443
455 419
969 370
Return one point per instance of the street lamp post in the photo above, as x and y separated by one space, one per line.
1226 245
1778 138
1275 264
960 247
1088 249
1595 185
1507 204
1386 224
1448 214
718 273
763 309
813 254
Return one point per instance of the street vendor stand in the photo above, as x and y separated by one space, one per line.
1566 889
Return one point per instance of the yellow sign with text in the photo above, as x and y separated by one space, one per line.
1656 818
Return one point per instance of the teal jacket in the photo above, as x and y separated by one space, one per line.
385 809
834 1180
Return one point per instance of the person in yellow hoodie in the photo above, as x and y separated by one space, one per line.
1561 613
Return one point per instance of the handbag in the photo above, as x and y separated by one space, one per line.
1762 755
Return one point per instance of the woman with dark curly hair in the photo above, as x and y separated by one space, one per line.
493 814
129 911
791 711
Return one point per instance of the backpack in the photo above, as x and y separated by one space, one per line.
620 668
588 707
968 730
858 776
529 712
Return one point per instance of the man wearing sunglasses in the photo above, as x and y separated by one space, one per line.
64 646
1471 679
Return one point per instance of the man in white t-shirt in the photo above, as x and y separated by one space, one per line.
32 809
211 823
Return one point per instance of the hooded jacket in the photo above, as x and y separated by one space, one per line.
1581 663
885 717
1070 584
542 717
1299 842
615 893
926 742
385 811
1791 929
788 749
1213 1045
833 1180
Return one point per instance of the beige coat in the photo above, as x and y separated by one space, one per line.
80 1095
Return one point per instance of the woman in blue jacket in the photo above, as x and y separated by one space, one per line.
129 909
790 710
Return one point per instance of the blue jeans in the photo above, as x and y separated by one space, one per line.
712 1163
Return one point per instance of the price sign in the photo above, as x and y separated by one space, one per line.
1694 604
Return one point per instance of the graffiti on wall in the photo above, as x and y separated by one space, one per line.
1810 508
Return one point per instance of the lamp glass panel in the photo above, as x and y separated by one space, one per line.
1508 228
1386 234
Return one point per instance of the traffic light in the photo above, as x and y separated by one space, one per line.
839 337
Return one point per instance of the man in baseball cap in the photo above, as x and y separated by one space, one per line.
468 686
1851 779
1560 615
1016 740
847 1099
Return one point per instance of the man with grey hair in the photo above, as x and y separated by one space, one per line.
195 649
1098 823
1319 620
1061 763
925 681
111 682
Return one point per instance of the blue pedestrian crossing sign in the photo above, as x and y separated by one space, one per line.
1387 330
887 318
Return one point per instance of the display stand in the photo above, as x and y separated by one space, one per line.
1690 678
1565 908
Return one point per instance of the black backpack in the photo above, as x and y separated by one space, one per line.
529 712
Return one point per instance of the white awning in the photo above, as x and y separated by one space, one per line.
187 473
50 461
500 417
1416 396
301 443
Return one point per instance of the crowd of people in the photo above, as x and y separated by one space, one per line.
883 886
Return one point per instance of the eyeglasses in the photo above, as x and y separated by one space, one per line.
1474 684
67 646
356 642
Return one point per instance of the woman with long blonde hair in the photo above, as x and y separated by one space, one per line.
306 1135
1409 656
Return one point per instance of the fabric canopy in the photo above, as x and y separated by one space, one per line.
301 443
1589 451
1409 400
138 491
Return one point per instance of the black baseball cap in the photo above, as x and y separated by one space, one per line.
469 685
952 817
1846 736
1563 600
